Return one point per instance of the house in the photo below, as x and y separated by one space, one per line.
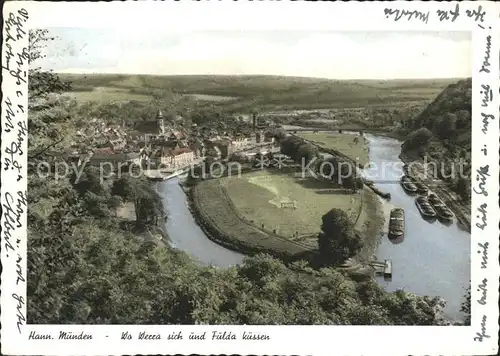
176 135
239 143
182 157
116 142
174 158
109 160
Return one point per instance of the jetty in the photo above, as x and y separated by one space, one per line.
383 268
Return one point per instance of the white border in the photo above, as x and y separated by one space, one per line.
302 340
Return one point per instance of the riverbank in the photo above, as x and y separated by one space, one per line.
370 225
451 199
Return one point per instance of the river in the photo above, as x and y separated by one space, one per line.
185 234
433 259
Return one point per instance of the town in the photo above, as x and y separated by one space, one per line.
166 148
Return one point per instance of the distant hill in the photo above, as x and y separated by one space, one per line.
448 117
270 92
442 132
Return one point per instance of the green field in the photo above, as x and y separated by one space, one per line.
257 197
249 207
107 94
346 144
262 92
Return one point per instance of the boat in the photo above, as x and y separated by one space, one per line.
408 185
397 223
434 199
421 188
425 208
157 179
443 212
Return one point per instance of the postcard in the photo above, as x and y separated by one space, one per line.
219 177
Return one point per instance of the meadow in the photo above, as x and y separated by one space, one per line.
220 221
107 95
252 202
257 198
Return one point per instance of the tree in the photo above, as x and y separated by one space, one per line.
306 152
418 140
148 205
465 308
421 136
463 188
290 147
337 240
41 82
194 175
278 133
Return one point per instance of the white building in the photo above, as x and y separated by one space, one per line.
239 143
176 158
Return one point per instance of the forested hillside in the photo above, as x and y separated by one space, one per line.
442 132
262 92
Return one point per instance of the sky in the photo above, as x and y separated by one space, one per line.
333 55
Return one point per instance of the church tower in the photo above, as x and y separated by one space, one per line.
161 123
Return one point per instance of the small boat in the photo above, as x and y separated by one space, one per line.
425 208
397 223
408 185
157 179
442 211
421 188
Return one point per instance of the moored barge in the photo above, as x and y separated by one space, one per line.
425 208
408 185
443 212
397 223
421 188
